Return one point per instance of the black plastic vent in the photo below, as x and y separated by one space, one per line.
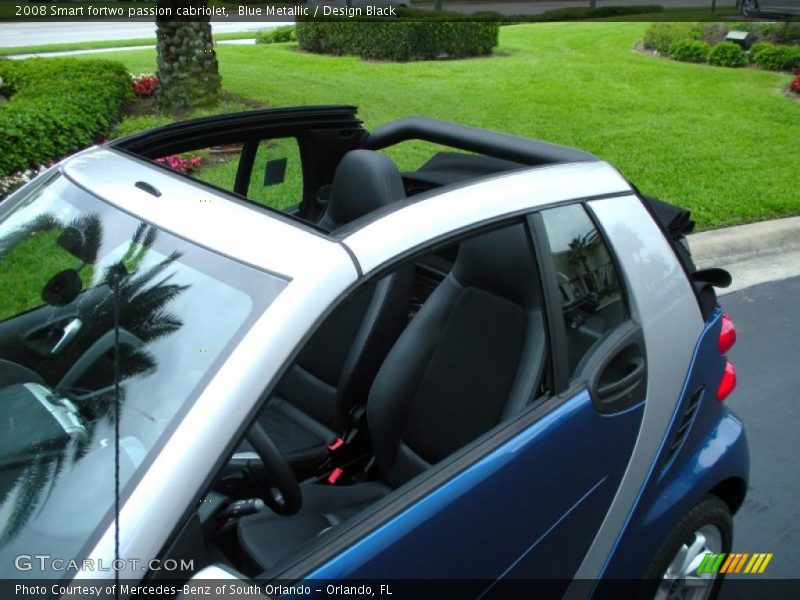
684 424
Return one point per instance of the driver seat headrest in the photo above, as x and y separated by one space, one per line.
500 262
364 181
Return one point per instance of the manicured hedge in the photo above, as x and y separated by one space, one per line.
694 51
57 106
424 35
445 35
661 36
727 54
775 58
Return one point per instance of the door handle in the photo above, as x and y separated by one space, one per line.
626 383
70 331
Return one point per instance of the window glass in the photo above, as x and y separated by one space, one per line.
216 165
275 181
277 177
588 283
86 288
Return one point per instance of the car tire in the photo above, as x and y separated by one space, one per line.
750 8
708 527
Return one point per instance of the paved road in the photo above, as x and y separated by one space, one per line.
767 360
536 7
26 34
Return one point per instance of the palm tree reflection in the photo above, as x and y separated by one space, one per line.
144 298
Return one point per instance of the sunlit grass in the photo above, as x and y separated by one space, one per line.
722 142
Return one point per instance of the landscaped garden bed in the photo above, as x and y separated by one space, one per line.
719 141
772 46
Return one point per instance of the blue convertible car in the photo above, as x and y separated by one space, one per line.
304 367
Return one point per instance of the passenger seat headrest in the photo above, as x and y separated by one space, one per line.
500 262
364 181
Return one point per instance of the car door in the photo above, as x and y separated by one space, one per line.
546 493
270 156
527 500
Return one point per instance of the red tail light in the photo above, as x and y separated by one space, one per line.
727 335
728 382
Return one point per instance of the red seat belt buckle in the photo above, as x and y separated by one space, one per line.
334 476
336 444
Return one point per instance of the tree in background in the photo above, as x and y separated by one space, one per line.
188 70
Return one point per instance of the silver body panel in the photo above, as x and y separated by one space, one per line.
663 303
450 211
198 213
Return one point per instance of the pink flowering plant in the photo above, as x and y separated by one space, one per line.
181 163
144 84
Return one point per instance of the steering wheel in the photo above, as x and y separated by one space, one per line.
11 373
273 476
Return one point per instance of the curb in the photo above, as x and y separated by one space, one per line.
720 247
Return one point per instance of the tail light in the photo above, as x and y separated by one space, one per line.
727 335
727 338
727 383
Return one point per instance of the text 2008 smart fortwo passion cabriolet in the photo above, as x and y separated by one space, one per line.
496 368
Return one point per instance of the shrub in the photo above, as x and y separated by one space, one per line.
144 85
660 36
714 33
775 58
434 36
58 106
727 54
694 51
279 35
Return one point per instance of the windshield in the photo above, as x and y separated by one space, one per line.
68 263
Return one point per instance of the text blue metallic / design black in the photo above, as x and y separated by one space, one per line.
498 373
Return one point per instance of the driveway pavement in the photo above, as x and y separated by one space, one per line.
767 360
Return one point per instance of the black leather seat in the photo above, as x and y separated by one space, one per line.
311 405
473 355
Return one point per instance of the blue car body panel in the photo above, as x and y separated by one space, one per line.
508 514
713 450
531 508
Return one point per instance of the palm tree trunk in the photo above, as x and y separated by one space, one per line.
188 70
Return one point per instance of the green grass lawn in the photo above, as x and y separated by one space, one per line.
721 142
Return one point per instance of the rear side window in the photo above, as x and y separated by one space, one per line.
277 177
589 286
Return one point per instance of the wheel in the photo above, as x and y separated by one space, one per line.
750 8
708 527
